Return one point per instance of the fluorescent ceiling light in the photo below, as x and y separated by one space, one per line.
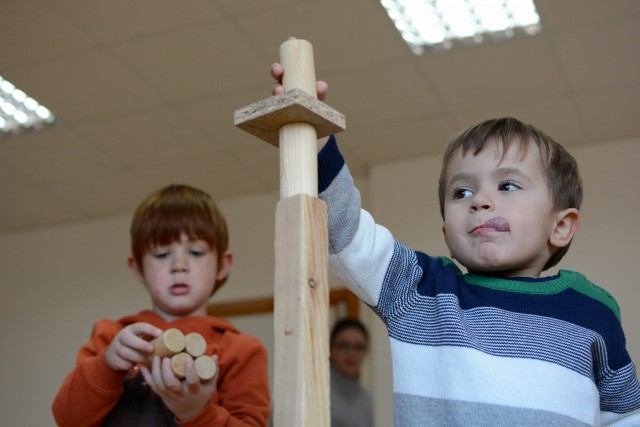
440 24
18 111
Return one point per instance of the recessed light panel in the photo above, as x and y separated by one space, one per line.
19 111
441 24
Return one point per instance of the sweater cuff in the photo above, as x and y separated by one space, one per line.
101 376
330 162
206 417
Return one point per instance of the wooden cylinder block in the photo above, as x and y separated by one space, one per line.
205 367
298 148
195 344
296 57
171 341
177 363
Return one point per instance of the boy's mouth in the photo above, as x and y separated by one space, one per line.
179 289
494 224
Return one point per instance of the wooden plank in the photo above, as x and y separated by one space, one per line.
301 362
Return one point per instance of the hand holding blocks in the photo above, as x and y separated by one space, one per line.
174 344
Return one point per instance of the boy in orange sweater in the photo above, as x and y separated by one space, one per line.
180 253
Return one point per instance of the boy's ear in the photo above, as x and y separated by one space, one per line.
224 267
567 222
135 269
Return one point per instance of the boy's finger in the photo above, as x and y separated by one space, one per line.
143 329
277 89
191 376
322 88
168 378
148 378
136 343
277 71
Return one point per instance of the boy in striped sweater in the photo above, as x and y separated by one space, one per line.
499 345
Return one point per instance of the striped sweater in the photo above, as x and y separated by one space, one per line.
473 350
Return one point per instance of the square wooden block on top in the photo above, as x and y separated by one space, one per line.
264 119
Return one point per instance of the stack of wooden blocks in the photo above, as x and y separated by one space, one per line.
177 346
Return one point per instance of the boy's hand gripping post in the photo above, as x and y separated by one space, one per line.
294 121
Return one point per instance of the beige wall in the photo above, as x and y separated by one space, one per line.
56 282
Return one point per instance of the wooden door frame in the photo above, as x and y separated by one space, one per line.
265 305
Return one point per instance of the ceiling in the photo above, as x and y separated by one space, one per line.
145 90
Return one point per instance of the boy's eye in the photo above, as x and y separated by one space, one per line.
461 193
198 248
508 186
160 254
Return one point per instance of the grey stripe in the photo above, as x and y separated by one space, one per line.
343 210
418 411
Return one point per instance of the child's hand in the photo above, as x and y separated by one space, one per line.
185 398
277 71
131 346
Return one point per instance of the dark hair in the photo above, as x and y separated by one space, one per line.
163 216
347 323
561 169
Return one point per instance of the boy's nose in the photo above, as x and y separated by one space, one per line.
481 201
178 264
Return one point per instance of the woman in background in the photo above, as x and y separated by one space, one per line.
350 402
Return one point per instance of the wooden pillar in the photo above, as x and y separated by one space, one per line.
293 121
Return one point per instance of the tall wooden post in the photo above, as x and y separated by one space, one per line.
294 121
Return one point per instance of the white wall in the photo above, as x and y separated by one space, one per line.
57 282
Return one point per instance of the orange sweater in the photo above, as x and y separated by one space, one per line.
92 390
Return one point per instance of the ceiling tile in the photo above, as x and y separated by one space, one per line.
220 175
117 20
108 194
571 14
557 117
143 139
338 40
37 30
365 96
611 53
241 8
609 114
401 139
84 86
194 62
215 117
29 206
52 157
493 74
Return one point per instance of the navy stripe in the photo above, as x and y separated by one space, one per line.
568 305
332 161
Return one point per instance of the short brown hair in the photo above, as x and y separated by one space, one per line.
561 169
163 216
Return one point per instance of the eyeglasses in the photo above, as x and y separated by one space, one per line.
356 348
